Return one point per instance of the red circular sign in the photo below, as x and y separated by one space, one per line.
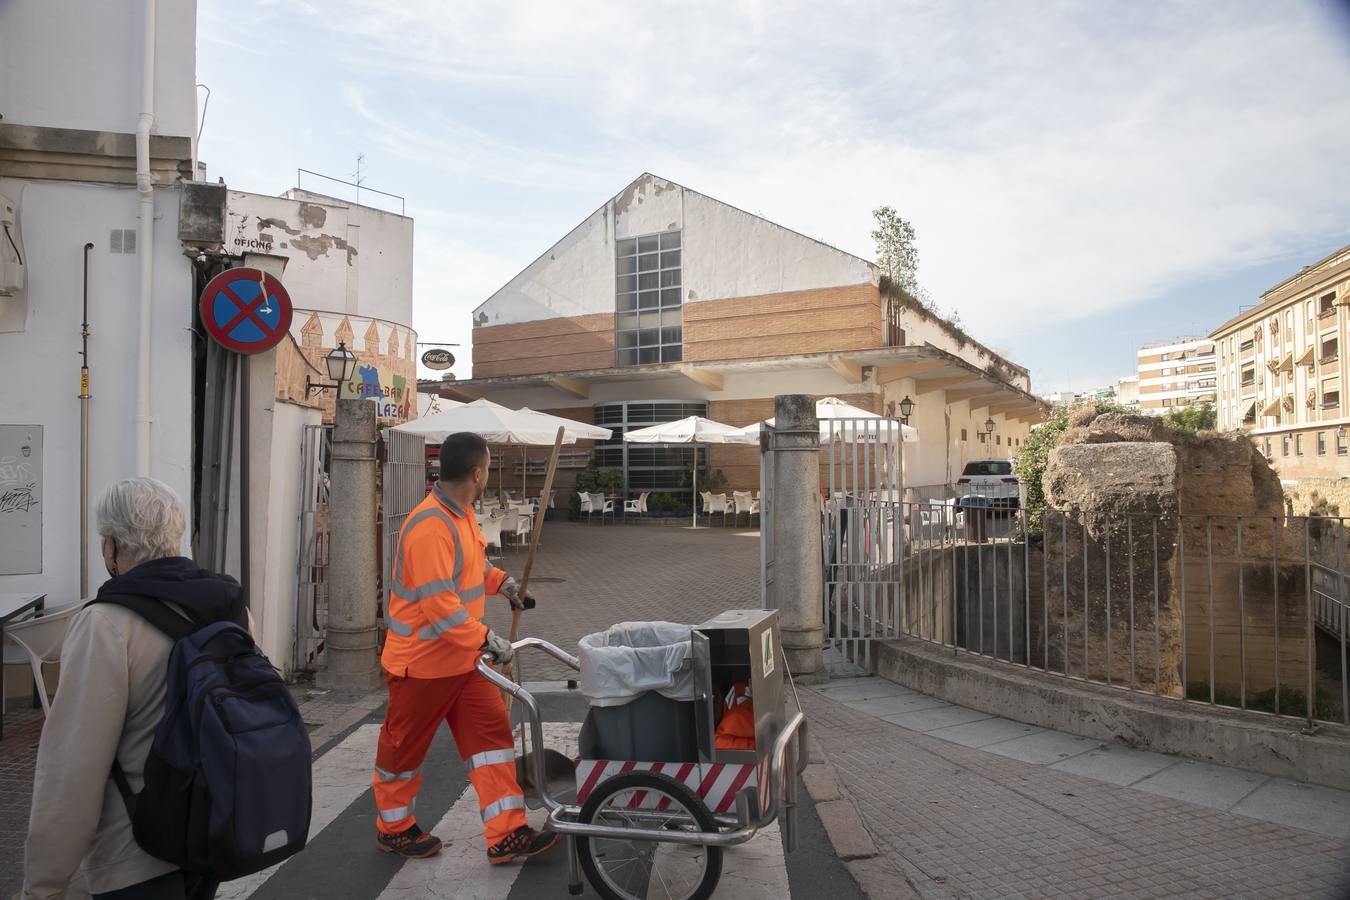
246 310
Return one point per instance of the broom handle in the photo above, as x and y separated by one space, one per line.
508 670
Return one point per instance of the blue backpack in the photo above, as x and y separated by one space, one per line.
227 781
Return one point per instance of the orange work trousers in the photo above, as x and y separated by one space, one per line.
473 709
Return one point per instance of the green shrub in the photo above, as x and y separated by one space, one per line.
1193 419
594 480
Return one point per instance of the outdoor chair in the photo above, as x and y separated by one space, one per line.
510 525
602 506
491 527
638 506
37 640
524 523
717 504
586 508
744 502
706 504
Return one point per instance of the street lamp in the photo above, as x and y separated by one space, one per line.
906 409
341 363
989 425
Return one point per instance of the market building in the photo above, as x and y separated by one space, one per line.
666 303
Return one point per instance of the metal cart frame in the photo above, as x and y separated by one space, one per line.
786 760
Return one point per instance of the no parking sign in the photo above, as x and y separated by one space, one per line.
246 310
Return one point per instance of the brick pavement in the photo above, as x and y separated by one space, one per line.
18 756
959 822
616 573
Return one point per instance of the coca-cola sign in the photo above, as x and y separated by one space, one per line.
438 359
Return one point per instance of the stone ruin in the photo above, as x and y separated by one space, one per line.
1164 512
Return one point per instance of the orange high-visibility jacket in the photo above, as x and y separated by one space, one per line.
436 596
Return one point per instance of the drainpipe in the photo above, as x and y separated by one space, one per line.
145 236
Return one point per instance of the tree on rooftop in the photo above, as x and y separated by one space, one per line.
896 254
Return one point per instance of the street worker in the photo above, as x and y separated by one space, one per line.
436 637
110 701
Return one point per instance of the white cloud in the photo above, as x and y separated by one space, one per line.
1057 160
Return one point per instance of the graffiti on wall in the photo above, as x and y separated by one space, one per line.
389 392
20 499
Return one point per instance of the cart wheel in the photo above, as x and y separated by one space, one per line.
648 870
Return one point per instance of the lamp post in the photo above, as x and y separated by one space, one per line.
906 410
989 435
340 363
351 660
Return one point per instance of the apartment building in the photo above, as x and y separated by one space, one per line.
666 303
1283 367
1176 373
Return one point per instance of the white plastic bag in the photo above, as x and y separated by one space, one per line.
631 658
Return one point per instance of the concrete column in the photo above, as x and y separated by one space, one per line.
796 529
351 662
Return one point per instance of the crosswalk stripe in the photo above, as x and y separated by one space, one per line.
461 869
340 776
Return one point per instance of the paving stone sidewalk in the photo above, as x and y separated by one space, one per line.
588 577
959 822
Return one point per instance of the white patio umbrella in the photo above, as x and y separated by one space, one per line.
499 424
877 429
692 430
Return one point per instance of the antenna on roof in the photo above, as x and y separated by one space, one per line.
357 176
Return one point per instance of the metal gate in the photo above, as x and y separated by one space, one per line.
862 536
311 591
403 487
767 599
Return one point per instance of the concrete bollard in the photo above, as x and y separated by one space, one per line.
350 644
796 525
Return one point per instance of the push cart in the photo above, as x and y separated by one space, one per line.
655 829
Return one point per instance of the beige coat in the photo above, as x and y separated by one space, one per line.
109 702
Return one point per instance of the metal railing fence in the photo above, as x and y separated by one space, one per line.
1244 611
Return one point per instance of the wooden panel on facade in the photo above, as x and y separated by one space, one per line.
822 320
570 344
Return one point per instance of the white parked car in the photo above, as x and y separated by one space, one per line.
993 479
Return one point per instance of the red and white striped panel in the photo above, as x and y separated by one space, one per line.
716 784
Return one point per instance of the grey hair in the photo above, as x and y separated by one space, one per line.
145 517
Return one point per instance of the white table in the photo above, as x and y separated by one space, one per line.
12 608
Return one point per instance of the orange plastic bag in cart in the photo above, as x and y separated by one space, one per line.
736 730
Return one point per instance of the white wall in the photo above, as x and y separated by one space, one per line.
726 253
341 258
276 431
77 64
42 361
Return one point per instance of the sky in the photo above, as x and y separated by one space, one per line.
1083 177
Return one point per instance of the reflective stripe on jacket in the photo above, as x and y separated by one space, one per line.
437 587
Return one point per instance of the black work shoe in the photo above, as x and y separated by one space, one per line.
411 843
522 843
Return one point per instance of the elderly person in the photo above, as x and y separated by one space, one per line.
111 698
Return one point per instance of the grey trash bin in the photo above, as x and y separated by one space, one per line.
639 680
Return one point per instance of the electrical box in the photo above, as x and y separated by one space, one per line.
11 250
201 215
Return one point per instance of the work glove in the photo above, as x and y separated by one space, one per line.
499 648
511 591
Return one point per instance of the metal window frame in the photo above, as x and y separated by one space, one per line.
661 345
625 423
